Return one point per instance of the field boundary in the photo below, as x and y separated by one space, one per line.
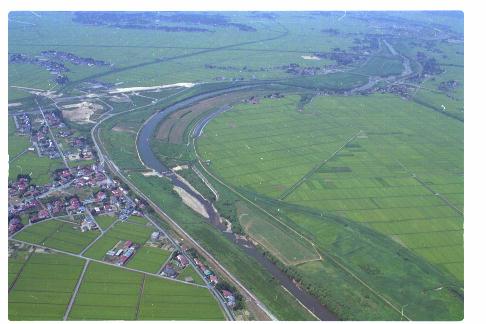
75 291
426 186
17 276
296 185
305 238
140 296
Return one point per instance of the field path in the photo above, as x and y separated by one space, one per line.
99 236
142 286
426 186
296 185
20 271
75 292
321 253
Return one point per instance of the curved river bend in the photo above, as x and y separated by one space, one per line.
150 160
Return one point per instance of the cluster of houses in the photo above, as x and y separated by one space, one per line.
276 95
40 137
213 279
52 61
72 58
80 176
121 252
44 144
23 188
82 149
207 272
23 124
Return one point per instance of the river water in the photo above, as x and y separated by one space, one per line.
150 160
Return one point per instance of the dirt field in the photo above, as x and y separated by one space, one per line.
81 112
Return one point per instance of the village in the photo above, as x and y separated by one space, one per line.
79 194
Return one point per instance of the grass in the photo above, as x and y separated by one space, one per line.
99 295
44 287
375 189
39 168
58 235
190 272
284 244
105 220
16 142
138 220
338 81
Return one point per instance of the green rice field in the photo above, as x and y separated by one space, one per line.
382 167
58 234
143 297
44 287
148 259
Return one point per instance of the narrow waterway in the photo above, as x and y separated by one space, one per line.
150 160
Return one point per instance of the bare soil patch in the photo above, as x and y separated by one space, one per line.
81 112
191 202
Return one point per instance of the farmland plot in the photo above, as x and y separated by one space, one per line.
376 160
58 234
49 278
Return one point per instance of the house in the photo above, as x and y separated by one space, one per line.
213 279
100 196
168 271
228 295
155 236
88 225
207 272
182 260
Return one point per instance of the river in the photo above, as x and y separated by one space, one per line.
150 160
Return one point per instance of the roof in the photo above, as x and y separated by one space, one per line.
227 293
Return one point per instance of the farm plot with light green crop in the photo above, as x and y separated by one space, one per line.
168 300
15 263
376 160
148 259
120 231
44 287
107 293
58 234
110 293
